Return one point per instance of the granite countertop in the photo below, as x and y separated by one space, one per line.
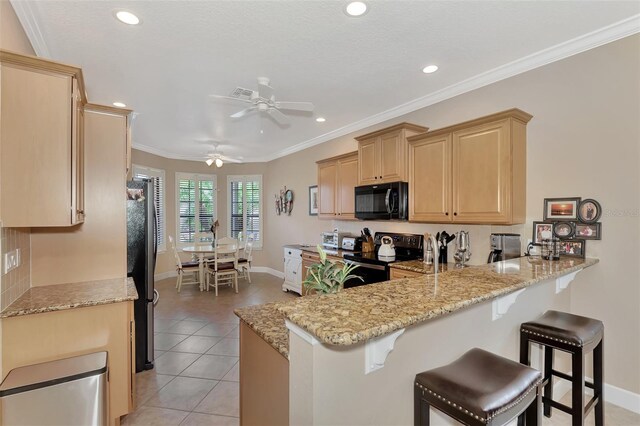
268 323
420 267
60 297
361 313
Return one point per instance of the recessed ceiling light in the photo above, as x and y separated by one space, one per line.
119 104
356 8
127 17
429 69
321 119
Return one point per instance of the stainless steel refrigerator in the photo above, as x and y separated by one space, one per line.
141 262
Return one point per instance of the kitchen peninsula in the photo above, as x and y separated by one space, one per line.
352 356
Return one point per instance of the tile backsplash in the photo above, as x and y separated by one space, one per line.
17 281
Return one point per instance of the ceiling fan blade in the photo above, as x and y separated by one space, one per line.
242 113
296 106
230 98
264 90
278 116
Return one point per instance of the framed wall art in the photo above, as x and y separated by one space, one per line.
563 230
573 248
561 209
589 211
541 231
313 200
589 231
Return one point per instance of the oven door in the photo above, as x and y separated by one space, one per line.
370 274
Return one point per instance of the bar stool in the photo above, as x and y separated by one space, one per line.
479 388
578 336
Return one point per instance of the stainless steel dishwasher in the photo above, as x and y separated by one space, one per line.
70 391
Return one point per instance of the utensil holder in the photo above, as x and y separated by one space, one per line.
367 247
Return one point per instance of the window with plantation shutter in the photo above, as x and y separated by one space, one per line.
157 175
196 205
245 207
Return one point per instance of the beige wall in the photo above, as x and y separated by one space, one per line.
12 36
583 141
166 263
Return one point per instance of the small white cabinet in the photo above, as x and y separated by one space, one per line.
292 270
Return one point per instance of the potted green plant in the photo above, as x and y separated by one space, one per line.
327 276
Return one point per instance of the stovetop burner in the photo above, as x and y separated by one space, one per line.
407 246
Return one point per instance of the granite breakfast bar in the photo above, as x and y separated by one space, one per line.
358 351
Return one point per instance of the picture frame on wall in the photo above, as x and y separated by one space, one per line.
573 248
564 230
561 209
313 200
589 211
589 231
541 231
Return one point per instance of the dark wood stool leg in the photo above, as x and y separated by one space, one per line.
525 360
577 387
548 389
420 408
534 411
598 380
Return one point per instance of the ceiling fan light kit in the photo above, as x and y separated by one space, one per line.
263 100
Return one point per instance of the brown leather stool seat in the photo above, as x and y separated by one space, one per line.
577 335
479 388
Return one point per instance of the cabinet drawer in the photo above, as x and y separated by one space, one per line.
401 273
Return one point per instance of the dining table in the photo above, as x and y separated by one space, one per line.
201 251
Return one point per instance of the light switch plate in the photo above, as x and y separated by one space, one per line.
11 260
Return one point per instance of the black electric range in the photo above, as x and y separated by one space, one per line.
373 268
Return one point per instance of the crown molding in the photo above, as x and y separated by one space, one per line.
27 17
608 34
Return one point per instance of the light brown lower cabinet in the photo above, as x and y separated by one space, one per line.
37 338
396 273
264 382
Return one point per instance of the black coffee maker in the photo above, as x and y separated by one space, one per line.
504 247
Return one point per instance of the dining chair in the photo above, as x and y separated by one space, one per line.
182 268
202 239
244 262
224 265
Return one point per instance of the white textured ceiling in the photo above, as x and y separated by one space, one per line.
355 70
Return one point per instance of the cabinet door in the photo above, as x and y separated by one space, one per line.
35 181
392 157
327 181
289 266
347 181
368 166
482 174
401 273
429 179
77 157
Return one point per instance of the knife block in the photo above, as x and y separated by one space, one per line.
368 246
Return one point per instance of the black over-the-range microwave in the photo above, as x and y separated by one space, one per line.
385 201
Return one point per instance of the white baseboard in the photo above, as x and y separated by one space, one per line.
267 270
612 394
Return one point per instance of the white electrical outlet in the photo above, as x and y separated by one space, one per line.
11 260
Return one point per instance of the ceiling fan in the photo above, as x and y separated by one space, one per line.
263 100
217 157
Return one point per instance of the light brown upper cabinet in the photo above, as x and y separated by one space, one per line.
382 155
472 172
337 178
42 161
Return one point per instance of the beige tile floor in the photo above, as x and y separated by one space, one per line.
196 374
195 381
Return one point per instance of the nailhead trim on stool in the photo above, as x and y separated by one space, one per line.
566 342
